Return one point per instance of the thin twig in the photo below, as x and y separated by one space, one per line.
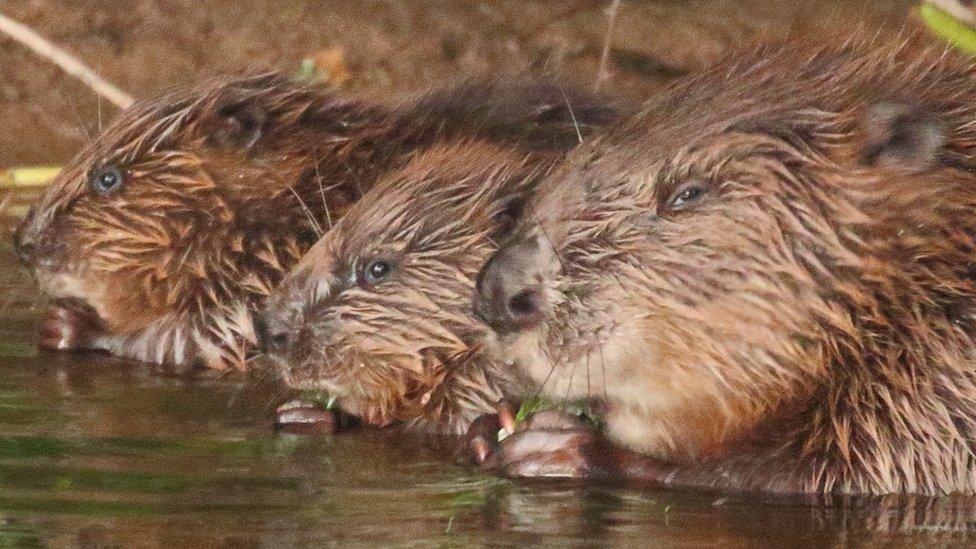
602 73
67 62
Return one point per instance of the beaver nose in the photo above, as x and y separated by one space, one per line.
25 241
506 299
272 335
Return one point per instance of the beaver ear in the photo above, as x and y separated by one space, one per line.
506 219
900 135
238 126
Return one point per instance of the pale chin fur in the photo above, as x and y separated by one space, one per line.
162 342
222 341
524 352
587 369
61 285
573 368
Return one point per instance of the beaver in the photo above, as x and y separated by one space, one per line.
161 236
377 313
764 280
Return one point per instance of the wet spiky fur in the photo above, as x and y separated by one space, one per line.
807 324
228 184
403 349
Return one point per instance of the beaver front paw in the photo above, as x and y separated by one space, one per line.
556 444
65 329
537 451
305 417
549 443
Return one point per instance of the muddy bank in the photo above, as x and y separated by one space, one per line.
146 45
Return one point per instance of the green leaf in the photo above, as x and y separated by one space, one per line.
306 70
325 400
951 29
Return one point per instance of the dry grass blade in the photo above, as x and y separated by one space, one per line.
35 176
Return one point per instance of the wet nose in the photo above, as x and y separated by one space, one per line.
25 241
273 337
506 297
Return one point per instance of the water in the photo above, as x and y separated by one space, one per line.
96 451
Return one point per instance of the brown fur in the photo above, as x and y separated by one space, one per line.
228 184
403 349
807 323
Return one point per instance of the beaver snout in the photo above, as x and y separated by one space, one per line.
273 335
508 295
25 240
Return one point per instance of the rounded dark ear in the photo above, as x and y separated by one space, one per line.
238 125
901 135
508 217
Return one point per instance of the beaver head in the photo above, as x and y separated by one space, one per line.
159 218
377 312
168 229
780 251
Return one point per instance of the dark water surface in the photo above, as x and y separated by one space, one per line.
96 451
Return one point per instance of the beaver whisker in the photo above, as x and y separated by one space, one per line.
328 358
492 241
74 111
589 393
553 246
279 392
98 109
572 115
325 203
311 218
235 392
542 386
572 375
603 368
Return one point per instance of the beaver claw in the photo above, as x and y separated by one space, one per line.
558 454
556 444
305 418
64 329
547 444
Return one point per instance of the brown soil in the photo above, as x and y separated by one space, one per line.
147 45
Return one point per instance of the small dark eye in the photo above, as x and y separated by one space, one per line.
685 196
105 180
377 270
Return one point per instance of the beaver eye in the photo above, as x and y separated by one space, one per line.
686 196
105 180
376 271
